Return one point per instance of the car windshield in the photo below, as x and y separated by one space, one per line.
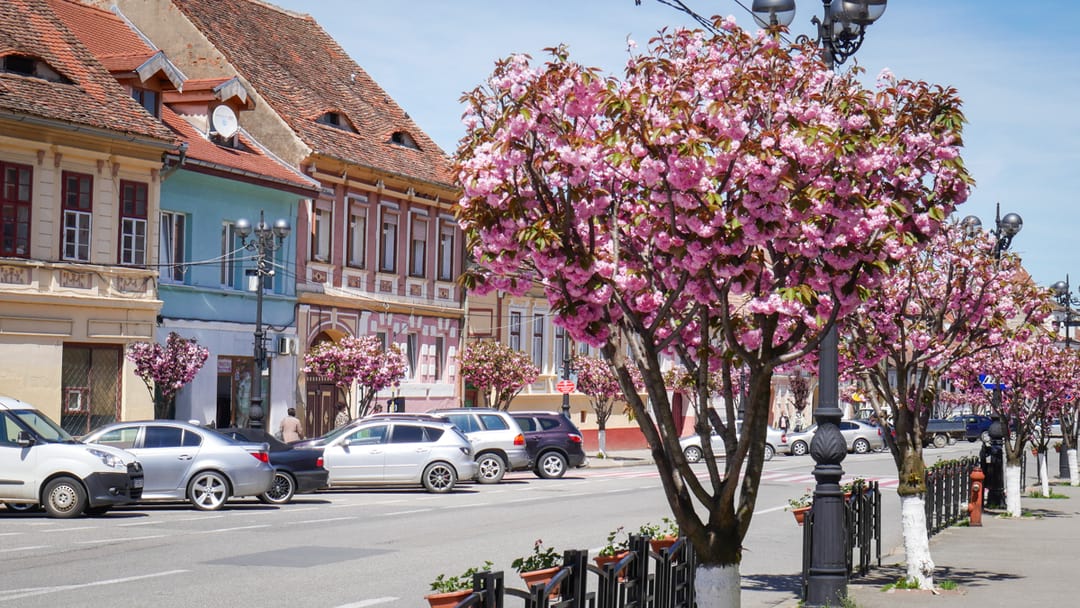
332 435
43 426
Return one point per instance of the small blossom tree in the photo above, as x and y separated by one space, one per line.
497 371
361 361
596 381
167 369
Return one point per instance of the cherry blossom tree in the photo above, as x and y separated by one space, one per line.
597 381
361 361
497 371
937 308
167 369
723 204
1039 377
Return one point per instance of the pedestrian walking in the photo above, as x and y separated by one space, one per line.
342 417
290 429
783 423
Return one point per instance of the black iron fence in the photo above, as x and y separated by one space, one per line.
642 578
862 522
948 489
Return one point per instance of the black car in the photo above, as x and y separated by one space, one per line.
553 442
296 471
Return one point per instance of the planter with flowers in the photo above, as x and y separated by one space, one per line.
800 506
662 535
539 566
614 550
449 590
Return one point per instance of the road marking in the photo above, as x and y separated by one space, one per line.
138 523
16 594
198 518
215 531
13 549
319 521
69 529
770 510
117 540
409 512
10 533
372 602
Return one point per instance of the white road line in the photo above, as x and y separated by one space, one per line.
217 530
22 593
198 518
14 549
117 540
408 512
138 523
372 602
10 533
69 529
319 521
770 510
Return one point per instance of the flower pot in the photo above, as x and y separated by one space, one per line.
800 514
601 560
447 600
659 544
538 577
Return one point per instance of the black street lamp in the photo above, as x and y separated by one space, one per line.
1066 301
840 31
266 240
1005 228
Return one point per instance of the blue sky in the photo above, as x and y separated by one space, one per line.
1014 64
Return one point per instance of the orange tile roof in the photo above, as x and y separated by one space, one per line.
252 162
94 98
303 73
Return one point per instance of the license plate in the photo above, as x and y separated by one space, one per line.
137 482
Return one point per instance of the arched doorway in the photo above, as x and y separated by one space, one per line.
321 398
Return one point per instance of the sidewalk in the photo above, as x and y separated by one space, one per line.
1028 561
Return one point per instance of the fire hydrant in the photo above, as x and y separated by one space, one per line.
975 503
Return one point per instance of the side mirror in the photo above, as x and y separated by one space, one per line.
24 440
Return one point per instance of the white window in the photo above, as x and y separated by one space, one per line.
418 246
171 246
446 251
440 346
322 226
357 236
133 208
78 210
561 351
388 241
231 252
413 347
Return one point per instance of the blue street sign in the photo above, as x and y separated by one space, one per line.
987 381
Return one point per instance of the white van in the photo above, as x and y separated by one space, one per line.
41 464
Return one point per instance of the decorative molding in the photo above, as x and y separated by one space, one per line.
386 286
115 168
76 280
131 284
356 282
14 275
444 293
416 291
40 157
100 165
57 158
318 276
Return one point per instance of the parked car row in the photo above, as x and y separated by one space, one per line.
860 437
156 460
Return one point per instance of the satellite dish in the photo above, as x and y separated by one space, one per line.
223 121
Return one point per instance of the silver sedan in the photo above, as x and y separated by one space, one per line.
691 444
860 437
182 461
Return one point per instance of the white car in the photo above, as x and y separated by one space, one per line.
398 451
691 444
40 464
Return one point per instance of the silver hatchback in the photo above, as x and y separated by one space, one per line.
182 461
398 451
497 440
860 437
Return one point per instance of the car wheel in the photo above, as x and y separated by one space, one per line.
20 507
940 441
552 465
799 448
861 446
64 497
492 468
693 454
985 437
208 491
439 478
281 490
769 452
97 511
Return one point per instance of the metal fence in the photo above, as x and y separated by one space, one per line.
643 578
948 489
862 522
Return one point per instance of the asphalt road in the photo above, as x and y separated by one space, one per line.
380 547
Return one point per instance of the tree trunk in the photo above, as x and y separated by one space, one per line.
1012 489
601 437
1044 475
920 566
717 586
1074 475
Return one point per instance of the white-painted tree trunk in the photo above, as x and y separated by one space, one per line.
601 437
718 586
1074 475
920 566
1012 489
1044 475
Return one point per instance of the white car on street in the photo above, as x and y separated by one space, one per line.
691 444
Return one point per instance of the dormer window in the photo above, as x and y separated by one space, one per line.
402 138
149 99
28 65
336 120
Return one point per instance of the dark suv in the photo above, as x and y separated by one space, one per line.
553 442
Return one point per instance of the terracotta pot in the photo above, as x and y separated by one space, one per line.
601 560
659 544
800 514
537 577
447 600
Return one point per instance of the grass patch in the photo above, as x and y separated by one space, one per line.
902 583
949 585
1039 494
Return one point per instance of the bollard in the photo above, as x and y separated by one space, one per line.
975 502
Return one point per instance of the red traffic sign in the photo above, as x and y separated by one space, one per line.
565 387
